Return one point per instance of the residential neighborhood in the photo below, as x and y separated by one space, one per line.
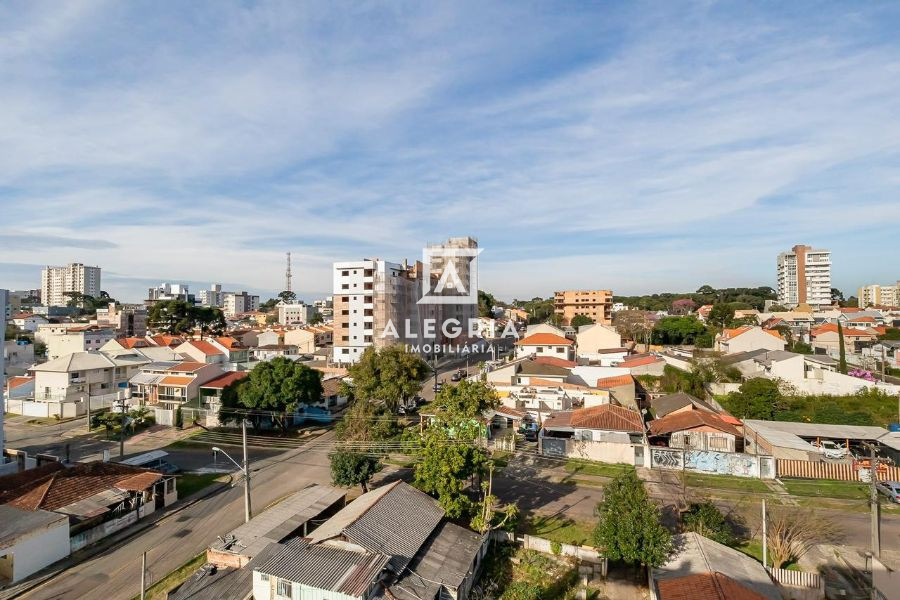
449 301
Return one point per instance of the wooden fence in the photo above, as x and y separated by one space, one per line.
844 471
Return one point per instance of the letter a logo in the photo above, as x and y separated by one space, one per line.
450 273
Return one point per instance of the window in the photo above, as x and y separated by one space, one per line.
170 485
263 577
345 273
345 286
284 588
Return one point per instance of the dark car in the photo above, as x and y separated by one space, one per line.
531 435
456 376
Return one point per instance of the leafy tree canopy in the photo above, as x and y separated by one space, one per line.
677 330
629 529
757 398
579 320
287 297
178 317
352 468
486 303
316 318
390 376
753 297
706 519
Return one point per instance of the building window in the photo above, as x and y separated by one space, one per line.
345 273
263 577
284 588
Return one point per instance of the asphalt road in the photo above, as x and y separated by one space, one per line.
115 573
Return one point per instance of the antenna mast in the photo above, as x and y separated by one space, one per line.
287 274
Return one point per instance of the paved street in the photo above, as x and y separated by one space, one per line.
115 574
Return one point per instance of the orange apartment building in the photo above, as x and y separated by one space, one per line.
594 304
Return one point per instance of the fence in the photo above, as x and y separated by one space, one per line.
843 471
51 409
586 554
799 585
718 463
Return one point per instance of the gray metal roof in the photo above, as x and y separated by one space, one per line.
16 524
211 583
672 402
853 432
277 523
324 567
730 359
694 554
395 520
774 356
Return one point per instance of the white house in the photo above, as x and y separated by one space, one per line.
30 541
85 338
747 338
545 344
28 321
80 375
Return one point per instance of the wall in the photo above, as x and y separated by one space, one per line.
719 463
886 580
609 452
799 585
80 540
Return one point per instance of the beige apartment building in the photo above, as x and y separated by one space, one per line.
804 277
593 304
878 295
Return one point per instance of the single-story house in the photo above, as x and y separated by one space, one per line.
607 432
593 338
30 541
695 430
677 402
545 344
748 337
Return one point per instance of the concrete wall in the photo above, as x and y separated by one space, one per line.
716 463
34 552
886 580
80 540
608 452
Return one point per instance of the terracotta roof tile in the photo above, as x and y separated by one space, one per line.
680 421
705 586
730 334
172 380
133 342
557 362
615 381
832 328
544 339
608 417
187 367
222 381
204 347
639 361
14 382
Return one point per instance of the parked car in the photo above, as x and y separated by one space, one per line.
891 489
833 449
437 387
456 376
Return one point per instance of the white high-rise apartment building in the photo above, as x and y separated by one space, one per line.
74 277
804 277
214 296
878 295
236 303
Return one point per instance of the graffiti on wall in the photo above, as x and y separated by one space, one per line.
666 458
722 463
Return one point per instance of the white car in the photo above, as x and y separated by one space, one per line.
833 449
891 489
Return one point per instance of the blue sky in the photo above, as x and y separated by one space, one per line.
635 146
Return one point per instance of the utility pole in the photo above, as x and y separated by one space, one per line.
873 502
122 429
765 535
143 574
247 511
89 413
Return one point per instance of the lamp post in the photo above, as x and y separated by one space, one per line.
245 469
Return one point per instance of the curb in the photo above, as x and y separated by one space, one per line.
112 542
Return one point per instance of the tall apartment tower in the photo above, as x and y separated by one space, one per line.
878 295
462 312
804 277
235 303
74 277
593 304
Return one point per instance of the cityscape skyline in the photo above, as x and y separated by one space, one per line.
639 150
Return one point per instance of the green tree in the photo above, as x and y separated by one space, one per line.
316 318
837 296
629 529
706 290
279 386
778 308
579 320
390 376
706 519
287 297
179 418
464 401
269 305
842 362
677 330
365 421
721 315
170 316
757 398
352 468
892 334
485 304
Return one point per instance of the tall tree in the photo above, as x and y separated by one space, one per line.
757 398
316 318
629 529
677 330
485 304
705 518
287 297
721 315
579 320
842 362
390 376
279 386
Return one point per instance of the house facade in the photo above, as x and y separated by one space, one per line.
747 338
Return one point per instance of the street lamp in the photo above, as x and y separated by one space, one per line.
245 469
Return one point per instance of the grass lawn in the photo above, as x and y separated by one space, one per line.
161 589
849 490
726 482
577 467
407 462
559 529
754 548
191 484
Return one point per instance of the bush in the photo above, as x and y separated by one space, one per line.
179 418
707 520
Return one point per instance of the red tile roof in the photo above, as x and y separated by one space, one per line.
861 319
850 309
224 380
187 367
730 334
608 417
204 347
557 384
705 586
544 339
639 361
53 486
165 340
229 342
557 362
681 421
832 328
615 381
14 382
173 380
133 342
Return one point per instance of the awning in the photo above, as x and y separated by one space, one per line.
95 505
145 379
